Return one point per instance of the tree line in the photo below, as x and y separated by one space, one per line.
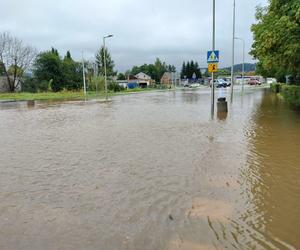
154 70
190 70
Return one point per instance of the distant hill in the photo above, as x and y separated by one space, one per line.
239 67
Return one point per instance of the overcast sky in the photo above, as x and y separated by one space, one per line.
174 30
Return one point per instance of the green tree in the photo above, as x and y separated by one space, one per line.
109 62
48 67
276 39
72 73
197 70
160 68
121 76
183 71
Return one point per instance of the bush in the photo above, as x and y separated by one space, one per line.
96 82
115 87
275 87
291 94
32 85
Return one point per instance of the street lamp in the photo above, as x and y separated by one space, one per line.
232 65
213 49
105 77
243 74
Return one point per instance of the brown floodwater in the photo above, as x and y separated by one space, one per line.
150 171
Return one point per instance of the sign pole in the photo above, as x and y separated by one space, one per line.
212 74
232 59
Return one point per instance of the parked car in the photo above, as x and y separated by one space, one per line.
194 85
220 83
254 81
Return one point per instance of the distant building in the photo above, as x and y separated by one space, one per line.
4 86
141 80
144 80
168 78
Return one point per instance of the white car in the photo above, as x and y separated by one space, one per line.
220 83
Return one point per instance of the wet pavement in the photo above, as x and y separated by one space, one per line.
150 171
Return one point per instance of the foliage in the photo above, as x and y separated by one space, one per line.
15 59
115 87
121 76
32 85
61 74
276 39
109 62
97 83
155 70
72 73
48 66
189 69
275 87
291 94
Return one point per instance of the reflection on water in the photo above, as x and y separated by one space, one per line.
150 171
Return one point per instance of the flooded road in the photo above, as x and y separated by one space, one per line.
150 171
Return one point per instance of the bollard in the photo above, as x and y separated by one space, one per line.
222 105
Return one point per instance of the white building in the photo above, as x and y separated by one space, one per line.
143 79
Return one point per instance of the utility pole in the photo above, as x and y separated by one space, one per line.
213 49
83 75
232 65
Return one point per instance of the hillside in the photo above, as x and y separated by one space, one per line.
239 67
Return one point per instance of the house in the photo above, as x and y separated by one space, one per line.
168 78
141 80
144 80
132 82
4 86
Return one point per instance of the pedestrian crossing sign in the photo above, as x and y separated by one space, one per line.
212 67
213 56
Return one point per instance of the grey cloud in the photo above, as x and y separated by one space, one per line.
172 30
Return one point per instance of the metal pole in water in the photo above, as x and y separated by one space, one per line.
243 64
232 65
105 79
212 74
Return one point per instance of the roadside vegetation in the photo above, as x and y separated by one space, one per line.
48 75
277 47
290 93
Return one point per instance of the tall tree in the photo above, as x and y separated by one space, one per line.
276 39
48 67
15 59
109 62
72 73
183 71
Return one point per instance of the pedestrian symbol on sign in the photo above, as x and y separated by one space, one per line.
212 67
212 56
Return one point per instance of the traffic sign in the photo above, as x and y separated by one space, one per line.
212 67
213 56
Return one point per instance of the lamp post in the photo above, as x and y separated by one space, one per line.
243 70
105 77
213 49
232 65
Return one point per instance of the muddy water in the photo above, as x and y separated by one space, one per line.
150 171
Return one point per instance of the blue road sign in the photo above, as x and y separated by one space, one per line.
213 56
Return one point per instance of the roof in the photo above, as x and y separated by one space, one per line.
143 76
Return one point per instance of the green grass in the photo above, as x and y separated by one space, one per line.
64 95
